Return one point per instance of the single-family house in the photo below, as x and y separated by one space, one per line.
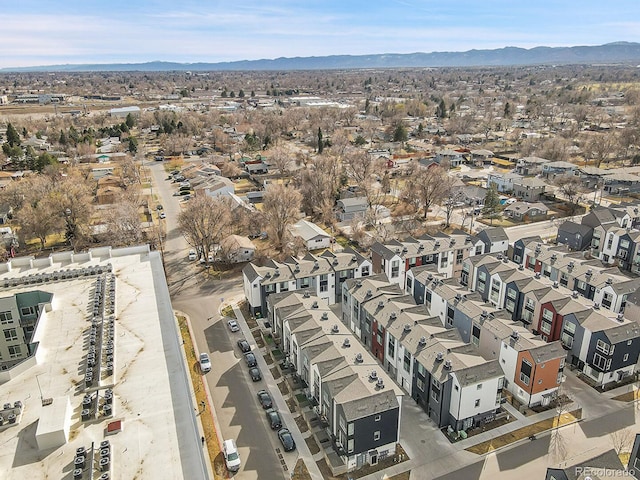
525 211
312 235
349 208
529 189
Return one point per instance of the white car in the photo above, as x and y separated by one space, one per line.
205 362
162 215
192 255
233 326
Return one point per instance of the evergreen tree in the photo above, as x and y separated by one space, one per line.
320 142
400 133
441 109
241 94
491 207
130 121
13 138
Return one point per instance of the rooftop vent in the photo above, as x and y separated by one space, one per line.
297 268
354 258
276 272
467 240
267 275
306 294
380 383
359 358
393 315
589 273
358 283
556 284
439 357
609 281
373 375
407 328
436 245
515 335
325 316
422 342
574 294
335 329
458 296
484 314
430 276
369 293
447 364
453 242
335 261
620 317
397 249
421 247
554 257
314 305
505 259
316 264
405 249
596 306
499 256
571 264
346 343
520 267
381 304
537 275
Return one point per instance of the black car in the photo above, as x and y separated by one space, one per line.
255 374
274 419
244 345
250 358
286 439
265 399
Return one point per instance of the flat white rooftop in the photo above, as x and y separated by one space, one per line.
159 437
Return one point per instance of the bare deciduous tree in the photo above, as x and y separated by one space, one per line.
282 160
622 440
424 187
281 207
572 189
205 223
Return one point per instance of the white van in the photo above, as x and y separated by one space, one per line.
231 455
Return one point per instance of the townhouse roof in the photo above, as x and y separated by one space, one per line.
237 241
588 170
353 202
495 234
572 227
621 177
561 164
602 215
423 245
345 260
364 288
308 266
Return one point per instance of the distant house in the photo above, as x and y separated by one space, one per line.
215 186
529 189
455 158
621 183
530 165
574 235
313 236
349 208
236 249
495 240
124 111
503 181
553 169
523 211
481 157
6 213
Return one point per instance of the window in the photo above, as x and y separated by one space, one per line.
392 347
475 335
545 327
547 315
607 300
610 240
435 390
511 293
343 424
6 317
479 386
350 445
601 362
305 282
364 271
421 369
377 418
284 286
495 290
324 283
581 285
444 259
350 429
26 311
376 435
459 256
564 279
482 278
600 345
626 357
395 268
409 283
10 334
14 351
420 384
559 378
407 360
624 244
412 262
270 288
525 371
477 403
510 305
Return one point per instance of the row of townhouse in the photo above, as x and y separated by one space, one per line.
611 234
323 274
605 285
447 377
533 368
356 400
446 252
603 344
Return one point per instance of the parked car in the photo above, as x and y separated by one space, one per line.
244 346
192 255
274 419
231 455
162 216
233 325
205 362
265 399
159 207
255 374
286 439
250 358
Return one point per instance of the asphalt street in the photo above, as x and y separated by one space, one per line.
233 393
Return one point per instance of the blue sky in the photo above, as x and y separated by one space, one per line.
45 32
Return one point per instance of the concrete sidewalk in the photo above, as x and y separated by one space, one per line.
288 418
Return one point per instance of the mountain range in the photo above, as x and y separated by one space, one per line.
617 52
